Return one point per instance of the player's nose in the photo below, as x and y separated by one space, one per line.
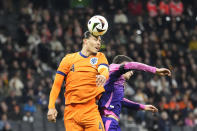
98 43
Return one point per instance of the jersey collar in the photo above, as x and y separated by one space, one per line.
82 55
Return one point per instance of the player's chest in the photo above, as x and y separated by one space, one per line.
87 64
118 91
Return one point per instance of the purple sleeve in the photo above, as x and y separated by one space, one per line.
132 105
140 66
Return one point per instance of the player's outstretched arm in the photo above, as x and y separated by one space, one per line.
137 106
150 108
147 68
132 105
163 72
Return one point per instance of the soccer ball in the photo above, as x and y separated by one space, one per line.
97 25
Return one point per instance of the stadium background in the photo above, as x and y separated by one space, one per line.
36 34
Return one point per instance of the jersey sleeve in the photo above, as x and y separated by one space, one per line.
139 66
118 69
103 66
132 105
64 66
55 90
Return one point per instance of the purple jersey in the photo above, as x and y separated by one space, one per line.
113 98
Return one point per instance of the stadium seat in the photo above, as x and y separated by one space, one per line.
50 126
15 125
26 126
187 128
132 129
176 128
60 125
195 128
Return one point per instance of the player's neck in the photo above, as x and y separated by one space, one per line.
86 53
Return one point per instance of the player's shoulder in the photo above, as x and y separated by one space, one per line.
100 54
71 55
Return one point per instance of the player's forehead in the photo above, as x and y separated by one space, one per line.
95 37
124 62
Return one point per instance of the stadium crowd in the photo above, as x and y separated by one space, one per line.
35 36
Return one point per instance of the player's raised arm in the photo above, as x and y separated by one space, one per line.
143 67
62 70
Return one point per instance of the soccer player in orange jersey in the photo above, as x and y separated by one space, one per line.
85 73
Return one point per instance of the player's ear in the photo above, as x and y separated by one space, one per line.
84 41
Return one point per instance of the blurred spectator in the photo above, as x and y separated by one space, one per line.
152 8
15 114
28 117
140 96
193 43
121 38
195 116
140 24
164 104
164 122
4 124
56 45
189 120
33 39
16 84
177 120
164 7
186 103
3 108
42 101
7 127
29 107
120 17
173 104
4 84
135 7
176 7
77 29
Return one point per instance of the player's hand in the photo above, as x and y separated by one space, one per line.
100 80
150 108
51 115
163 72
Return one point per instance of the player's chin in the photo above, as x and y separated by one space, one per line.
95 51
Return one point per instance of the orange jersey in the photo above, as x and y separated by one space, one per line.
80 72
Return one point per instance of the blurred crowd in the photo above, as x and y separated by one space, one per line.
159 33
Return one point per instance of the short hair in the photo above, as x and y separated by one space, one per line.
86 35
121 58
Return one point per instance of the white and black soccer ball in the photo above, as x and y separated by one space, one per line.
97 25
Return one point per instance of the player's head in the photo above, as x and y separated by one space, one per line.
91 43
122 59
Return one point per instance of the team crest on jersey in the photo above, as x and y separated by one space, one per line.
93 61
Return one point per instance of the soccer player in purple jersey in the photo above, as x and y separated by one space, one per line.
113 98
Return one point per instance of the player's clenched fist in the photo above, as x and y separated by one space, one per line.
100 80
51 115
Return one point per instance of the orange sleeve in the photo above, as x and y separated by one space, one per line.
61 73
64 66
55 90
103 66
